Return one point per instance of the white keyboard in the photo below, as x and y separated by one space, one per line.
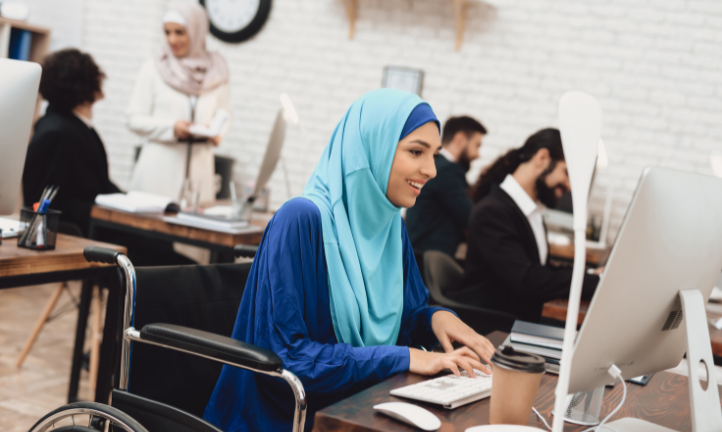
449 391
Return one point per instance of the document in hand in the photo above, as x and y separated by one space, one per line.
135 202
214 129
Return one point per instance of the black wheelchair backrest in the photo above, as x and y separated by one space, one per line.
200 297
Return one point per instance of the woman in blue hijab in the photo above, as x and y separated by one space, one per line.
334 289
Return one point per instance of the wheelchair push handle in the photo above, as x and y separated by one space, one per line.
101 255
245 251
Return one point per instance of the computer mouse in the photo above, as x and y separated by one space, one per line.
410 414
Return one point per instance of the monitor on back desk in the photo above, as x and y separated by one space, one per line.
670 241
19 81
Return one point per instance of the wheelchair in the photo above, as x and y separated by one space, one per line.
169 367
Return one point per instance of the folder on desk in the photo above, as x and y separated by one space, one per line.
135 202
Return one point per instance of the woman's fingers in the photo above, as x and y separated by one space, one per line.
473 359
445 343
466 365
481 367
449 364
483 348
467 352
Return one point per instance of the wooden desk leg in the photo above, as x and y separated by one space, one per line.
40 323
96 337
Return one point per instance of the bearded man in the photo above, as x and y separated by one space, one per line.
439 218
506 262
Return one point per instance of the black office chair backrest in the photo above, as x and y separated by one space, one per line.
200 297
441 272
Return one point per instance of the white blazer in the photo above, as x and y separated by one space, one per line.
154 109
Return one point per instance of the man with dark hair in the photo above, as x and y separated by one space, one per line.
65 150
438 219
506 262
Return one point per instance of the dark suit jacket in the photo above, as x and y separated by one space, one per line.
503 270
438 219
65 152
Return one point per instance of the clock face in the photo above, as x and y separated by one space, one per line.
236 20
231 16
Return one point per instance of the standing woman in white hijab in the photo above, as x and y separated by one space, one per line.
183 76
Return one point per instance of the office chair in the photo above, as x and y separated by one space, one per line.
441 273
186 316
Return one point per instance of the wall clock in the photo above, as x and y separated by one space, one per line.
236 20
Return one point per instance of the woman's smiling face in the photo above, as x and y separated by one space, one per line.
413 165
178 39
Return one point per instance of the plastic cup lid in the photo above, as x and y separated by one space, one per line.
509 358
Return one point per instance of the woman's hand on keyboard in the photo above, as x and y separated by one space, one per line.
431 363
448 329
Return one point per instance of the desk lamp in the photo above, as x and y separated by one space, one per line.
580 123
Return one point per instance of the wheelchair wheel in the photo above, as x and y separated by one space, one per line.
87 417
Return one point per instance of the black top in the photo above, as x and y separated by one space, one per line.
503 269
438 219
65 152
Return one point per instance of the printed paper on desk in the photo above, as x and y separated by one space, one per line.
134 202
10 227
212 131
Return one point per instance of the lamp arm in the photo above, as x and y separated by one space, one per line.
575 295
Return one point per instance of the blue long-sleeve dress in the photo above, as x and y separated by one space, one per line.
285 308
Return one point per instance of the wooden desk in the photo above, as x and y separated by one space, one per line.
664 401
153 225
68 255
24 267
557 309
566 253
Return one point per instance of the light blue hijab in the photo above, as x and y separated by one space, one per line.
361 227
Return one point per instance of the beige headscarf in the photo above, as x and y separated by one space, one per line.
199 71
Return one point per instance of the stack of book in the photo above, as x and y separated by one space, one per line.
539 339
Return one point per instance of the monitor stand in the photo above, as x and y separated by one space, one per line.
704 404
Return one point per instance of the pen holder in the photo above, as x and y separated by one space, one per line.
38 231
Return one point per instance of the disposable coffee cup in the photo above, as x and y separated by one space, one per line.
517 375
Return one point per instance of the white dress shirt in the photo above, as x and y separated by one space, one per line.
447 154
88 122
532 210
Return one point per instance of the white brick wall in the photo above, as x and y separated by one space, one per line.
64 17
653 65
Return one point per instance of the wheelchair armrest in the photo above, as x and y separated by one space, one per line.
245 251
102 255
213 346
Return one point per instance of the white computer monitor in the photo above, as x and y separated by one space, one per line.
19 82
670 240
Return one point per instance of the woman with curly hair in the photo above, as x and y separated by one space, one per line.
66 150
